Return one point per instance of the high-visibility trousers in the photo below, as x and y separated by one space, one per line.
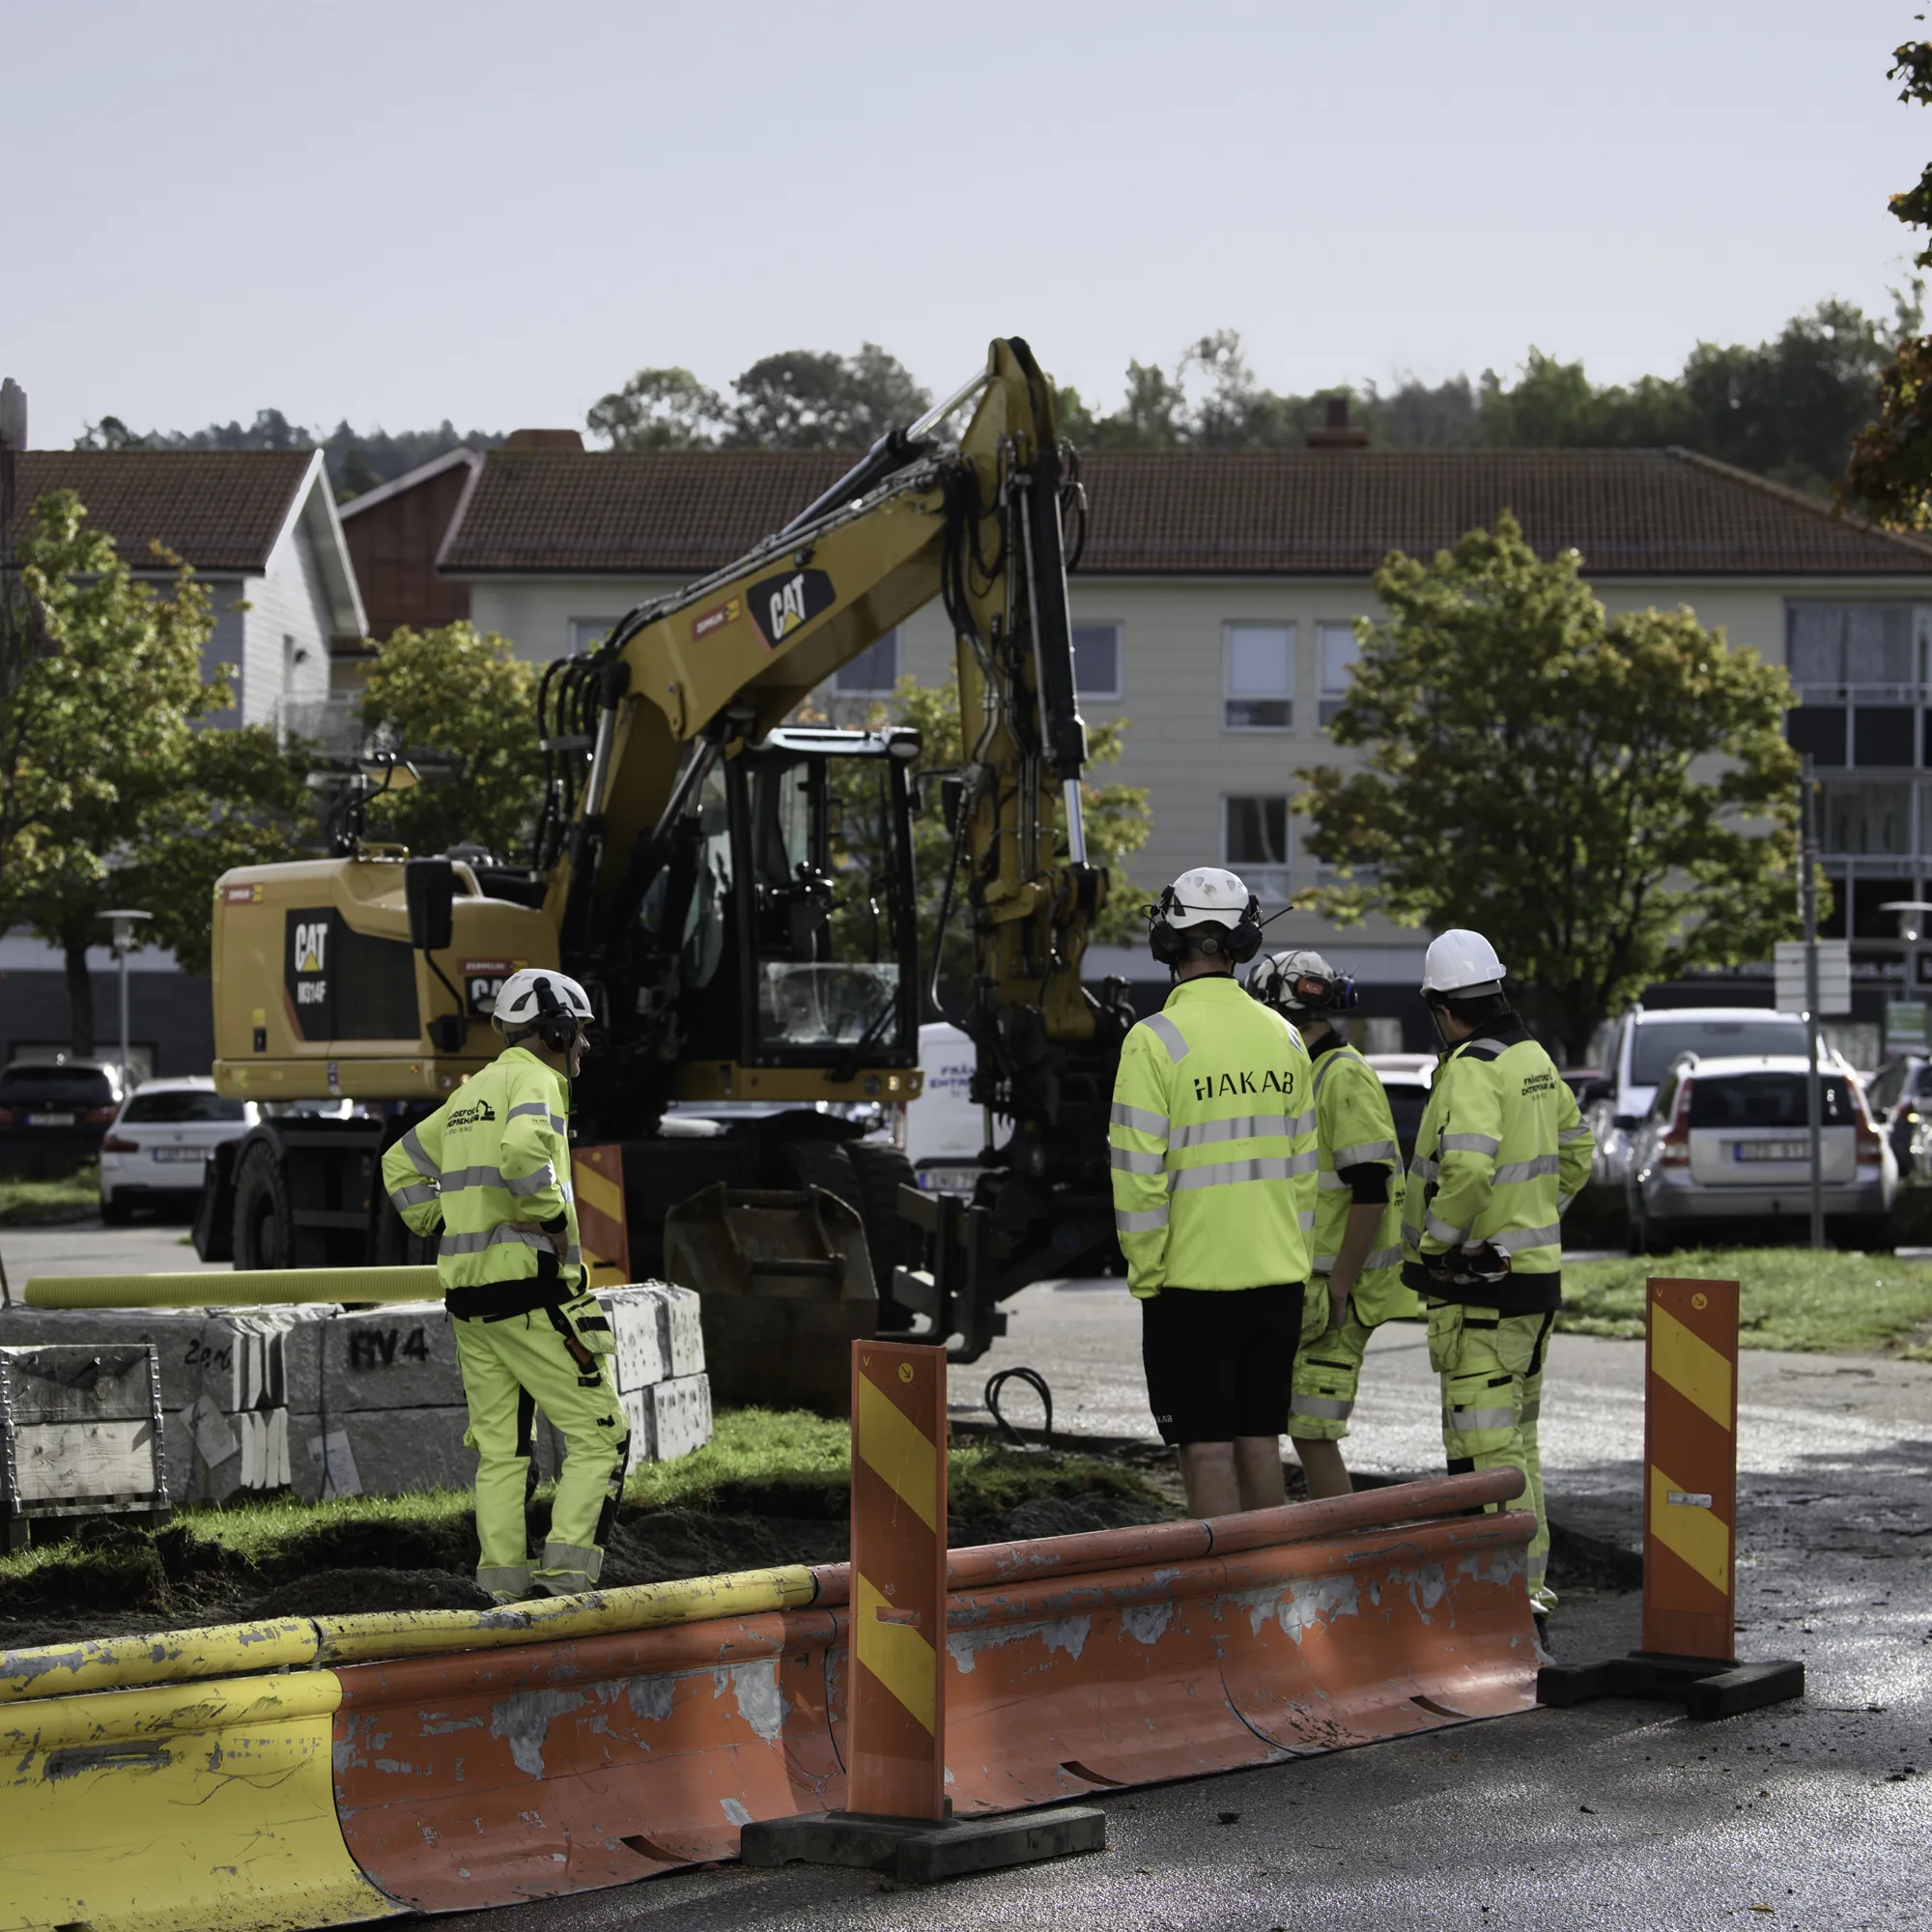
1327 1373
512 1367
1491 1370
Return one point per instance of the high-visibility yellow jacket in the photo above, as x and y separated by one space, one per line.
494 1154
1500 1154
1212 1144
1354 1128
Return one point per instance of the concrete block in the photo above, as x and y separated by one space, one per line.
263 1358
680 1416
684 1331
638 1322
381 1452
402 1357
175 1332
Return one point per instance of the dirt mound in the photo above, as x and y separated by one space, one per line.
348 1592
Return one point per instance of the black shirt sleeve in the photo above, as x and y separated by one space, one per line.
1367 1181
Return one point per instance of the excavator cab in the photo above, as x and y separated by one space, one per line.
792 918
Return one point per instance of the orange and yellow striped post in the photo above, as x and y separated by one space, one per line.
1690 1469
597 1174
895 1749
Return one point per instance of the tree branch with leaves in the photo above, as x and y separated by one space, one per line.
1611 800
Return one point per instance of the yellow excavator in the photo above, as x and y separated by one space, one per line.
737 894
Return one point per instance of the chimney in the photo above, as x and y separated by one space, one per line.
543 439
1338 433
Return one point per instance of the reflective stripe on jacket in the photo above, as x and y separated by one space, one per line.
1354 1128
1501 1151
495 1153
1212 1144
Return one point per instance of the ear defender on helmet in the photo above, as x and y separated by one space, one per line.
1169 943
556 1025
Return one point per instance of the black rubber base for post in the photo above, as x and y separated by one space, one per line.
1705 1688
921 1850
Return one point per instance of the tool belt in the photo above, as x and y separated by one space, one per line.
499 1300
1482 1266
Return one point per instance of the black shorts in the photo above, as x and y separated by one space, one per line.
1220 1362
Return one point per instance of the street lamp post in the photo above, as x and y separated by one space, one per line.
125 922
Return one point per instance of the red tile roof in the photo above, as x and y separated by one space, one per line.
221 509
680 513
1293 513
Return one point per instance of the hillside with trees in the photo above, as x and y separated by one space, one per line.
1788 407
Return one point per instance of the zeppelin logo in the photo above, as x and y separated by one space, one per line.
716 618
241 895
780 605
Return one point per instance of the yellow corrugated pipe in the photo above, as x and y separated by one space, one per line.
240 1288
227 1650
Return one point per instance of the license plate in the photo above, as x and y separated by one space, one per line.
51 1120
1773 1150
949 1179
180 1153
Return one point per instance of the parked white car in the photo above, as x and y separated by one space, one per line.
154 1151
1727 1143
1644 1044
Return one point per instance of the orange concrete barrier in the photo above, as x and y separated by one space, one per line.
480 1780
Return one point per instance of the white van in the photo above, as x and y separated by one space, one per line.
945 1132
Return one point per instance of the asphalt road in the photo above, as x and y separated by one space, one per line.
1614 1815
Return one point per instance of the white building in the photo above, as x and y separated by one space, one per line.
259 527
1214 608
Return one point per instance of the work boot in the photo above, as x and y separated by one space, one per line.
1543 1652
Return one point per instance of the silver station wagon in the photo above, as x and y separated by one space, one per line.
1725 1150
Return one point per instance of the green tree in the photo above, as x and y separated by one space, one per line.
108 793
467 698
659 409
1610 799
804 399
1890 472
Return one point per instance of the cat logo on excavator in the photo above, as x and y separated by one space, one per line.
780 605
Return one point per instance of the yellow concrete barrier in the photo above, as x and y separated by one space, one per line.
170 1656
240 1288
209 1806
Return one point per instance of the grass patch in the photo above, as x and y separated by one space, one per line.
788 1463
759 1462
1792 1298
68 1197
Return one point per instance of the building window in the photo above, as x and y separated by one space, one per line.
1255 840
1339 652
1097 660
1866 820
1832 645
1259 671
1885 734
873 672
587 633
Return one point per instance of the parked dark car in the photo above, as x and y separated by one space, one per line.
51 1116
1898 1095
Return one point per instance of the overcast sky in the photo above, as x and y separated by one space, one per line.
401 211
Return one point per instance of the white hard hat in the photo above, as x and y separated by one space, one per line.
1278 979
1461 961
527 995
1206 895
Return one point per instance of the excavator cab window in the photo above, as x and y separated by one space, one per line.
826 936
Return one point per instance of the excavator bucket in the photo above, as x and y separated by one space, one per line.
784 1287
